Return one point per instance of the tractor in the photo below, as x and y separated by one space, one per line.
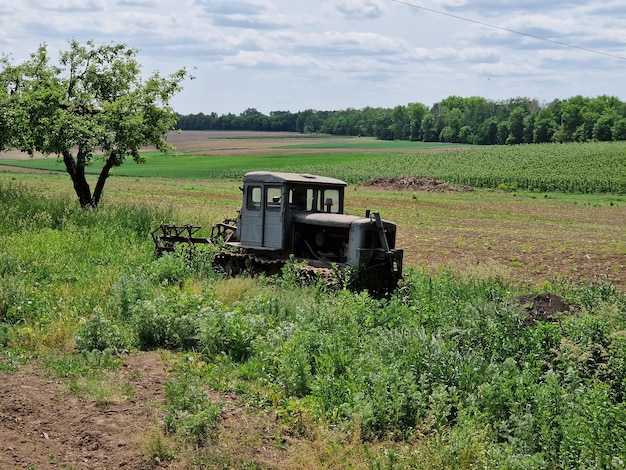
302 217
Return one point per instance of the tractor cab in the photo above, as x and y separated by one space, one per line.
271 201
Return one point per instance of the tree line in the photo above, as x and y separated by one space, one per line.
473 120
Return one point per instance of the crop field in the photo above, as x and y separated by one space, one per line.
505 347
571 168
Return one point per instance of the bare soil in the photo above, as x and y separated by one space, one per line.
415 183
44 425
544 307
246 143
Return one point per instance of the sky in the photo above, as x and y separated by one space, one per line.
293 55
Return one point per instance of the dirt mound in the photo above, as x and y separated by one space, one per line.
542 307
415 183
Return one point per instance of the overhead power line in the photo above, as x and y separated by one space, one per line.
534 36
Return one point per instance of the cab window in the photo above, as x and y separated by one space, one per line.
253 198
301 199
329 201
273 198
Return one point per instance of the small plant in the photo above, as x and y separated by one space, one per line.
5 334
223 331
190 413
101 359
168 321
127 291
170 269
158 447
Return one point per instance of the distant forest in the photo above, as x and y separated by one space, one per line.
473 120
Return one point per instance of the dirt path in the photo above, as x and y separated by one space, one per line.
42 425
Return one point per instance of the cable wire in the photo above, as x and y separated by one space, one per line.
534 36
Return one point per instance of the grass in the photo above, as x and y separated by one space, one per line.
446 374
183 166
435 229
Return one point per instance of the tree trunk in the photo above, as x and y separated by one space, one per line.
104 174
77 173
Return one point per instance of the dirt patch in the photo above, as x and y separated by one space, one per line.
415 183
542 307
42 424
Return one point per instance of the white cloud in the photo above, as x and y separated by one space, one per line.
333 54
70 5
360 9
350 43
232 7
466 55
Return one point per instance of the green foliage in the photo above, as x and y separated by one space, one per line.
5 334
168 321
190 413
83 365
126 291
98 333
570 168
170 269
586 168
472 120
22 209
94 100
226 332
100 358
446 367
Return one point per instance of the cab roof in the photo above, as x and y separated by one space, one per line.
281 177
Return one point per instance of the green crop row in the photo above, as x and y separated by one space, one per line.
577 168
597 167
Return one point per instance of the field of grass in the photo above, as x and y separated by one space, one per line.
572 168
448 373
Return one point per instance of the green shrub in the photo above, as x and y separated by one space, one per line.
99 333
190 413
5 334
127 291
294 366
168 321
223 331
170 269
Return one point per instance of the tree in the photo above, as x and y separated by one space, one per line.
602 129
619 129
416 114
400 123
94 102
516 126
503 132
429 128
466 136
545 127
488 132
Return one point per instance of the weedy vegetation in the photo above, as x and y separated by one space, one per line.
446 373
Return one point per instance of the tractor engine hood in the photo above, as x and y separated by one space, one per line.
331 220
